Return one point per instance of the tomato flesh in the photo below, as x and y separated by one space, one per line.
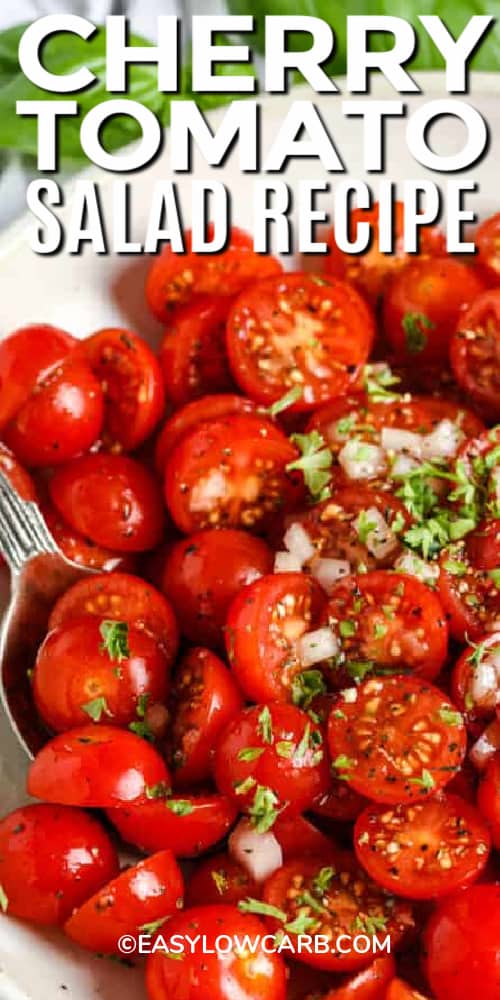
475 353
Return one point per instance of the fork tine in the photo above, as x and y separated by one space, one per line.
23 532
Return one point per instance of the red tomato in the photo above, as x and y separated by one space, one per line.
475 681
220 879
424 849
188 826
390 741
112 500
483 545
121 597
371 270
231 473
475 353
80 549
388 620
201 575
298 837
461 941
52 858
137 902
108 671
208 973
399 990
469 594
61 418
193 414
487 240
298 331
488 797
26 356
132 384
176 278
270 760
423 305
344 902
369 984
265 623
479 459
17 476
341 804
193 352
98 767
204 698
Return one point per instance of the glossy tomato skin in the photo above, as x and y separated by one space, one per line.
470 599
204 698
132 383
201 575
61 418
299 838
111 499
274 749
140 896
198 824
296 330
16 474
399 990
193 351
220 879
487 240
82 550
52 858
368 984
475 698
488 797
25 356
76 676
97 766
214 975
475 353
189 416
461 945
264 622
174 279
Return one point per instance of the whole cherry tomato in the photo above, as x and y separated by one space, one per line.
186 824
26 356
219 879
461 945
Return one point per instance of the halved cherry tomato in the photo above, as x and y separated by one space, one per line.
131 381
203 699
461 953
391 742
475 353
122 671
187 825
475 681
98 767
488 797
220 879
176 278
423 305
26 356
298 331
318 900
112 500
390 621
483 545
231 473
424 849
122 597
201 575
193 352
82 550
468 592
487 240
52 858
369 984
206 972
193 414
270 759
139 901
399 990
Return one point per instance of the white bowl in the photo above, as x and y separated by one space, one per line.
82 293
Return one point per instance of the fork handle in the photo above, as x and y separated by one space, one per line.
23 531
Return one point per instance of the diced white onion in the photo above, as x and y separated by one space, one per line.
380 540
328 571
287 562
485 684
402 465
259 854
208 490
486 746
298 541
350 695
443 441
413 565
316 646
360 460
396 439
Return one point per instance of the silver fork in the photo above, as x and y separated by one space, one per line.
40 573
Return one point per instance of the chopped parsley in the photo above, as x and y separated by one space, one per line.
378 380
426 781
414 326
250 753
96 708
264 809
323 880
450 716
290 397
315 463
306 686
115 639
220 880
364 526
258 906
180 807
265 725
153 927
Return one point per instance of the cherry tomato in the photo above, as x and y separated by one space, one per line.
479 460
204 698
488 797
121 597
52 858
265 624
132 384
209 973
369 984
98 767
424 849
475 681
269 760
388 620
341 803
188 826
487 240
298 331
399 990
483 545
461 942
391 742
112 500
176 278
475 353
17 476
26 356
139 901
193 351
80 549
193 414
201 575
231 473
468 592
333 901
220 879
423 305
61 417
108 671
